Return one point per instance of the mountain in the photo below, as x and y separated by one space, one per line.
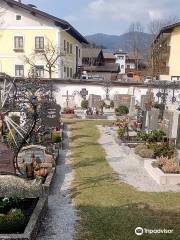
124 41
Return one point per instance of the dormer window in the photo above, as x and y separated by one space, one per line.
18 17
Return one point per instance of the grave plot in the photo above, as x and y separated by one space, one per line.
27 166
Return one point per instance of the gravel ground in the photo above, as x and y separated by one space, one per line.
59 223
128 165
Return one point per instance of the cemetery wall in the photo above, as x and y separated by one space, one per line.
75 98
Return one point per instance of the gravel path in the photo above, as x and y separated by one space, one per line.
61 217
128 165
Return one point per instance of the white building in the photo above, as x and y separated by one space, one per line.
121 60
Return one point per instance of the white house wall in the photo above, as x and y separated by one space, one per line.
8 19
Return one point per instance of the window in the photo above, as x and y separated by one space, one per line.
19 70
18 17
39 71
128 66
39 43
64 69
67 47
18 42
79 53
64 45
122 66
68 72
121 57
71 72
71 48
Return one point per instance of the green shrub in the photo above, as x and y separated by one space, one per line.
84 104
121 132
5 205
56 138
143 151
12 222
163 149
142 136
140 147
153 136
146 153
121 110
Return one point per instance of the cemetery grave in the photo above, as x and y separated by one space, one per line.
30 138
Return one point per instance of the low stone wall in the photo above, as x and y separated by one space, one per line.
68 116
96 117
49 180
159 176
32 228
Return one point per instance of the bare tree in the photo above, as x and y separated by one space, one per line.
136 43
156 24
50 55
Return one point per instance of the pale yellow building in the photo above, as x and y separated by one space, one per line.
25 33
166 53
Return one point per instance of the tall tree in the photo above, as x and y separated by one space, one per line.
156 24
136 42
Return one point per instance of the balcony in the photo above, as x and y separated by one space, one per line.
165 53
164 71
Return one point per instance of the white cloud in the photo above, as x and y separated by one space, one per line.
136 10
155 14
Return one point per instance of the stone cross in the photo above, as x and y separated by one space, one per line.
67 98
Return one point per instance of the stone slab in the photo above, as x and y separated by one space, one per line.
159 176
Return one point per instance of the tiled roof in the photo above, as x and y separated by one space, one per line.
57 21
108 55
167 29
90 52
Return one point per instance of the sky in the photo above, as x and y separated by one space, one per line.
108 16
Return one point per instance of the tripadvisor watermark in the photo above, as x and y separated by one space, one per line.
139 231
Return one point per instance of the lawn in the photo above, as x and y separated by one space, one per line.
110 209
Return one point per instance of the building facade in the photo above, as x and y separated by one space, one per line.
166 53
121 60
99 64
28 33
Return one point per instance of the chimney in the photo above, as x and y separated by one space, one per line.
19 1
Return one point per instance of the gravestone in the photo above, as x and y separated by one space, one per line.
132 109
6 160
152 119
178 133
84 93
141 118
52 115
146 100
124 100
94 101
167 123
170 124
